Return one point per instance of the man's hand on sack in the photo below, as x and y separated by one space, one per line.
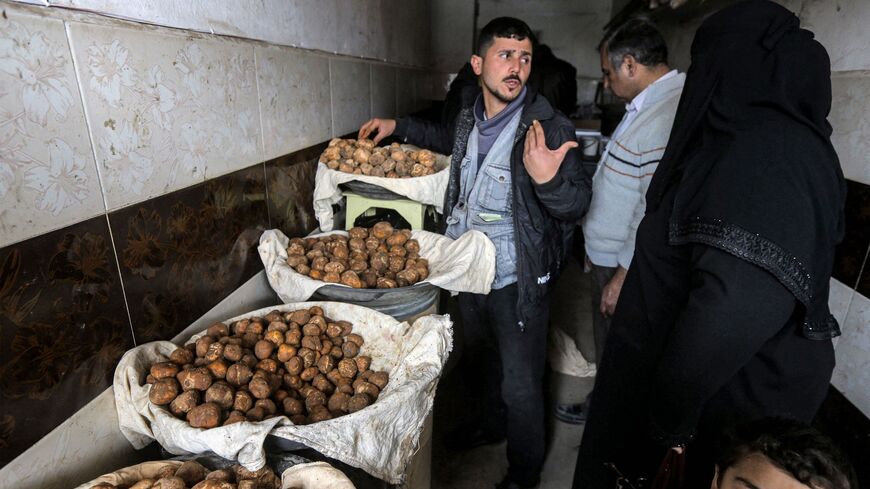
541 162
383 128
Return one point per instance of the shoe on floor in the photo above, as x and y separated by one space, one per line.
571 413
508 483
461 440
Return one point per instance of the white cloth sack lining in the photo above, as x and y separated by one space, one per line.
466 264
428 189
131 474
380 439
565 357
315 475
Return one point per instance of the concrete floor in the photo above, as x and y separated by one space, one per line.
486 466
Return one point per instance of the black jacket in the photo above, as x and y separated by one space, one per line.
544 215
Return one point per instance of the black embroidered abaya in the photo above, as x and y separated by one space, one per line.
723 316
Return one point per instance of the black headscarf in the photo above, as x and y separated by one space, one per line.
751 155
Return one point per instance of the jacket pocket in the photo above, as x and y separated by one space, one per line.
496 189
502 237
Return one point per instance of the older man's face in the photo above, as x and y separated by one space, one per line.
616 78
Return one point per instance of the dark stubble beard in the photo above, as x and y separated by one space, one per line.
501 97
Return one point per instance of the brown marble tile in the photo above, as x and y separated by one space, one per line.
183 252
850 254
63 327
291 186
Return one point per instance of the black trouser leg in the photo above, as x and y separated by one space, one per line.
481 367
600 324
518 365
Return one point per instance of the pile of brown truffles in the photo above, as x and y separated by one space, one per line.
301 364
361 157
380 257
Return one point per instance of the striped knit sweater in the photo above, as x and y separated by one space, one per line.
623 175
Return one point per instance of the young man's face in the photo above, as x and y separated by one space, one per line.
504 67
756 471
616 78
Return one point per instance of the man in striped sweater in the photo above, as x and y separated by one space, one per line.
634 64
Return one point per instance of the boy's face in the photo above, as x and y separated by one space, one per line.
755 471
504 67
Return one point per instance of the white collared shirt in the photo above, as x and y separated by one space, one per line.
633 107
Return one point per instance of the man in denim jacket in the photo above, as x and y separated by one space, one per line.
507 183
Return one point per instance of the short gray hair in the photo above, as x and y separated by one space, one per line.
639 38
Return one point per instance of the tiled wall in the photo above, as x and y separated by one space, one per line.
139 166
386 30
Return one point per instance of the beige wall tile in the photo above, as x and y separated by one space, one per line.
410 33
397 31
352 27
48 178
294 99
850 118
452 34
320 29
169 116
839 299
351 95
199 15
841 27
381 28
383 91
852 374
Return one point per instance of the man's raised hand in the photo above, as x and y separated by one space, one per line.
541 162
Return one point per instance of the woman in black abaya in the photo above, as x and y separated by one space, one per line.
723 316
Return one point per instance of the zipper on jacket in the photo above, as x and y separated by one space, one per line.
521 131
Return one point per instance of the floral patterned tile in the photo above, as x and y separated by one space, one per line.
351 95
169 116
383 91
294 99
183 252
290 181
48 178
851 253
63 327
